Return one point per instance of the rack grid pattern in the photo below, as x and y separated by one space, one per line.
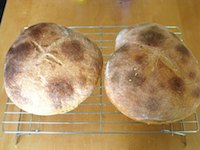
96 115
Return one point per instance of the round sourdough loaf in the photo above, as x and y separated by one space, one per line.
152 77
51 69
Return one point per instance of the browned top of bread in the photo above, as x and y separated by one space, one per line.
50 69
152 76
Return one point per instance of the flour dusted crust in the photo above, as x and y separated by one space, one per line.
152 76
51 69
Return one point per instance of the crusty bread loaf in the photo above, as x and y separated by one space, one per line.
152 77
51 69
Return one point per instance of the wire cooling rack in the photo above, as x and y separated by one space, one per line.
96 115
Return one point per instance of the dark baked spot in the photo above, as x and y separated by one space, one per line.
141 59
134 78
182 50
22 51
12 69
115 78
192 75
152 104
73 50
36 33
37 30
9 75
184 60
43 25
196 92
16 56
45 33
177 84
10 72
152 37
162 85
58 90
82 80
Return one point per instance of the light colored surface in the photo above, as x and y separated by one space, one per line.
20 13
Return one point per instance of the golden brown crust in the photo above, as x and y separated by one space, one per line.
50 69
152 77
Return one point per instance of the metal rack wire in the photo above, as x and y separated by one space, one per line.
96 115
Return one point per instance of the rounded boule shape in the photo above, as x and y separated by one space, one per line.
152 76
50 69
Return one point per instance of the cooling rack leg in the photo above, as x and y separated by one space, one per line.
18 128
17 138
101 108
184 140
